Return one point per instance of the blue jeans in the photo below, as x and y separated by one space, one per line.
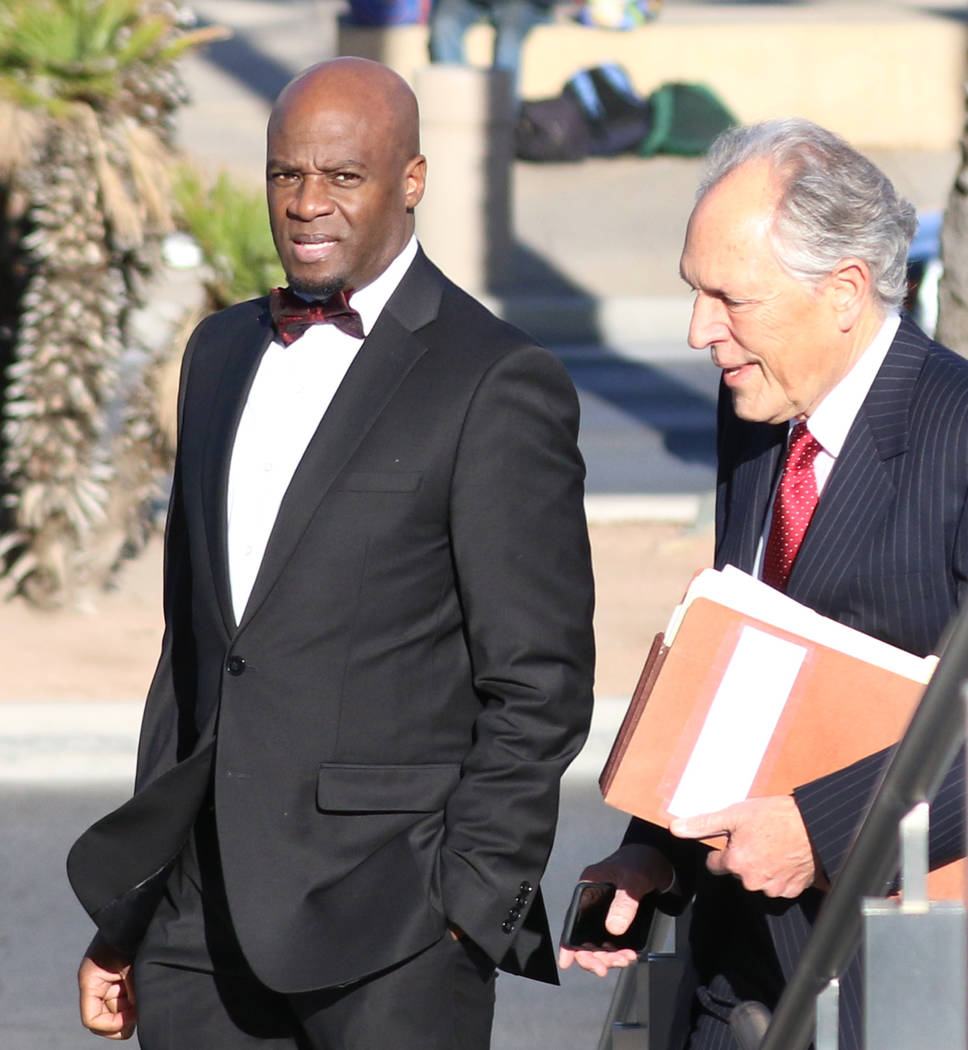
512 21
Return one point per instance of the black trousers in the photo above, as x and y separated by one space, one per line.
195 990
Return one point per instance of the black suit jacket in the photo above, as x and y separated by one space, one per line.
886 553
386 727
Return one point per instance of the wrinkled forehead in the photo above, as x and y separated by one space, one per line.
730 230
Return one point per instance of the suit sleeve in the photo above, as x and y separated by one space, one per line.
685 855
119 866
523 571
162 741
833 806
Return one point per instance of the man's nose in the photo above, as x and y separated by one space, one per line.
708 322
313 198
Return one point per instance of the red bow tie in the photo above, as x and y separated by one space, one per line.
292 315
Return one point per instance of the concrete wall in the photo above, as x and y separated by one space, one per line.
893 81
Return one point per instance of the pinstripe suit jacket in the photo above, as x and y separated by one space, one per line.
886 553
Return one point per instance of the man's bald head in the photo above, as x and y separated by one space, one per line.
344 173
382 94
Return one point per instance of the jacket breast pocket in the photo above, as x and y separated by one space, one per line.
379 481
349 788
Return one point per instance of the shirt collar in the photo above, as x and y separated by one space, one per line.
834 416
369 301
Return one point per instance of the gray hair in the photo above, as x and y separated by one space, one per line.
835 203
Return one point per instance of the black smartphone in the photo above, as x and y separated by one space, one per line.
585 920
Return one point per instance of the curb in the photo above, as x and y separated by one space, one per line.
691 509
57 744
606 719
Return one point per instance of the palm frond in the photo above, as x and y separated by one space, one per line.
230 224
52 51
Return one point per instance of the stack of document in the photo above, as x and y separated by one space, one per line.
748 693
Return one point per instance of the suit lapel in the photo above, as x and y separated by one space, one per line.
383 361
750 483
239 364
859 488
861 484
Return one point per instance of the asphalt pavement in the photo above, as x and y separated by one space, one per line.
64 765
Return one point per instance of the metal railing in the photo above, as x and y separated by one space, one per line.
916 769
912 776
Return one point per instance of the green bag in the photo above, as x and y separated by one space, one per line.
685 120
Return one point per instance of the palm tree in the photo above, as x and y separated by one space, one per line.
88 90
229 226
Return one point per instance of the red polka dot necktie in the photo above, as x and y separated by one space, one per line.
796 500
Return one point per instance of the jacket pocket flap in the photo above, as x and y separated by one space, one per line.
342 788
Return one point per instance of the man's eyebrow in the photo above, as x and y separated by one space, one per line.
682 271
329 168
346 162
718 292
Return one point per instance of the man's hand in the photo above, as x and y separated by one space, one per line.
636 870
767 846
107 992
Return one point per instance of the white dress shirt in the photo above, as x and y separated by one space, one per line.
834 416
290 393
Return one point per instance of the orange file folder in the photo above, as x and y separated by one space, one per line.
737 706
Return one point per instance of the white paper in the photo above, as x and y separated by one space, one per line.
740 723
744 593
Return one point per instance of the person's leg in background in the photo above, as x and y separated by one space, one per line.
449 21
513 20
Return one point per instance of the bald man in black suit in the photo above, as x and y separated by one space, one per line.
378 652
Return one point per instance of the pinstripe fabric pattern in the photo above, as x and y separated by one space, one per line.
887 553
711 1034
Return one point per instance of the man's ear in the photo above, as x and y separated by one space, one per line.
849 287
416 178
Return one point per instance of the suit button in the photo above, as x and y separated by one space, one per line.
520 900
507 926
514 915
235 665
525 887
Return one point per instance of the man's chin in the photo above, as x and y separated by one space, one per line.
751 410
321 290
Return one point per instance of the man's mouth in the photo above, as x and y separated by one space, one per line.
736 373
310 248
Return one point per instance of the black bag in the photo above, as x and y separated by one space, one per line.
618 117
551 129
